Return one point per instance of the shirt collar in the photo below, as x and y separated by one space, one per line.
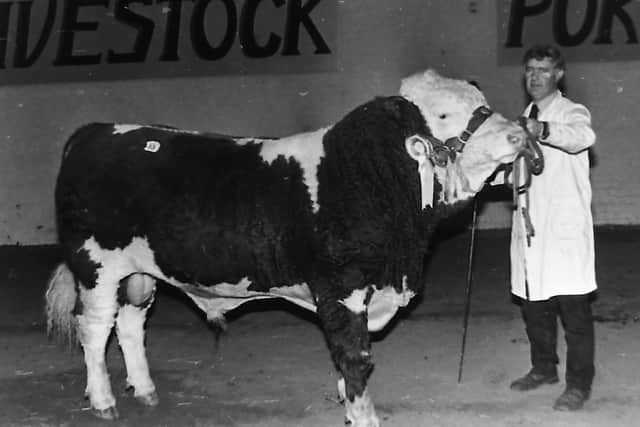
547 100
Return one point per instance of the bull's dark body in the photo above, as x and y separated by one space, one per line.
214 211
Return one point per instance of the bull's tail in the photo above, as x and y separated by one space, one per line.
60 299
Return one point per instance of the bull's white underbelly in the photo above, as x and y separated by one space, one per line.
217 300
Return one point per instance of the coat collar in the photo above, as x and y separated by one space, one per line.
545 102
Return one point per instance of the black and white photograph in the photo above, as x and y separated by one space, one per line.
314 213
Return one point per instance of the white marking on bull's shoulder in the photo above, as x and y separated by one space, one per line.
355 301
384 304
122 129
306 148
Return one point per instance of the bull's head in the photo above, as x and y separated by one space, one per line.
468 141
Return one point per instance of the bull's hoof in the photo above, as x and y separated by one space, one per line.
360 412
369 423
149 399
110 413
362 423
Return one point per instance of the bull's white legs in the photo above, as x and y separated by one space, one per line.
130 330
99 306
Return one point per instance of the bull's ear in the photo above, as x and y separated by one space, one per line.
418 148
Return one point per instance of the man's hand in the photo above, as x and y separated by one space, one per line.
534 127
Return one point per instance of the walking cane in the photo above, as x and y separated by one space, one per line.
467 305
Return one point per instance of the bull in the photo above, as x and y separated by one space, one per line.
337 221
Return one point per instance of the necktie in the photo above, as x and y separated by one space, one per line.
533 112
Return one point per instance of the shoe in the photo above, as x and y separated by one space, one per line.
532 381
571 399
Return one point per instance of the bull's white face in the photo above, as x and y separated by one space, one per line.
447 106
496 142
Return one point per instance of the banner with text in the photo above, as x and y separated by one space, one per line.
65 40
585 30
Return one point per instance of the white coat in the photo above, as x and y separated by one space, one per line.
560 259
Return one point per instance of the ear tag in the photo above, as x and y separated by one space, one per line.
152 146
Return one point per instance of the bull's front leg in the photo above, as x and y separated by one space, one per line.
345 325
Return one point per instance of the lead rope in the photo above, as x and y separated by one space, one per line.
532 161
523 189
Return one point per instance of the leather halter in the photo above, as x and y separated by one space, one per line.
444 151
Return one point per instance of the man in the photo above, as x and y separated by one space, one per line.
552 248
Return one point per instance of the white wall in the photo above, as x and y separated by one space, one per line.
378 43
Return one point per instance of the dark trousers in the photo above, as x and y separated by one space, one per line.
540 318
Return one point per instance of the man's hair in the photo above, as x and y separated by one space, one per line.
542 51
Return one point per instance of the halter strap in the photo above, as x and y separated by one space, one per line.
447 150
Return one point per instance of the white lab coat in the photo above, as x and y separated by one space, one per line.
560 259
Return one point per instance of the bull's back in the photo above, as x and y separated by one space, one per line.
211 210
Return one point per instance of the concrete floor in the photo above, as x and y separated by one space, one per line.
272 367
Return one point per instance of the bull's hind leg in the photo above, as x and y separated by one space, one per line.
96 316
345 324
136 296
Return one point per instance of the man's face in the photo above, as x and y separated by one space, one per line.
541 78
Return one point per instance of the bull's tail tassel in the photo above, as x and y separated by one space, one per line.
60 300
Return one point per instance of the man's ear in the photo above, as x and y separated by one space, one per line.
559 74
